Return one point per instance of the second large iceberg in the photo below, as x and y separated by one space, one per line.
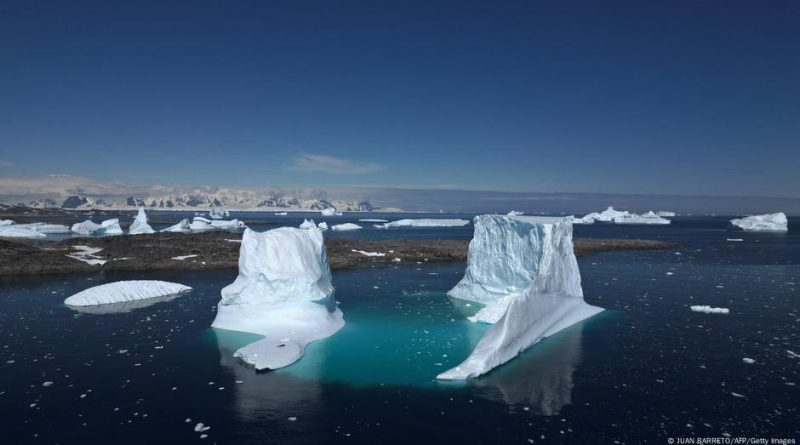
524 270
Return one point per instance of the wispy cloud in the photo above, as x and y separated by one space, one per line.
309 162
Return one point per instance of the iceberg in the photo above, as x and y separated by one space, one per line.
515 213
281 213
123 291
232 224
199 224
308 224
345 227
45 227
709 310
647 218
182 227
283 292
323 226
218 213
523 269
330 211
424 222
140 225
14 231
89 227
373 220
771 222
6 222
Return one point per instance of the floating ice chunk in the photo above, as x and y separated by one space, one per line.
6 222
771 222
373 220
308 224
425 222
524 270
44 227
201 427
281 213
182 227
365 253
218 213
323 226
140 224
515 213
232 224
345 227
330 211
14 231
748 360
734 240
647 218
122 291
709 310
283 292
88 227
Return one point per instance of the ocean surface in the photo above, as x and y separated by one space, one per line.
645 370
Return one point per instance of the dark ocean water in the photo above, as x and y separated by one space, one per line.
645 370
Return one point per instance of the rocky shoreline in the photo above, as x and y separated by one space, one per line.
218 250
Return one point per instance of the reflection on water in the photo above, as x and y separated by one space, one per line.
541 377
122 307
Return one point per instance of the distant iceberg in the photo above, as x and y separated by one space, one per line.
283 292
709 310
308 224
218 213
182 227
89 227
771 222
45 227
140 225
373 220
14 231
200 224
323 226
647 218
281 213
515 213
345 227
611 215
122 291
523 269
330 211
424 222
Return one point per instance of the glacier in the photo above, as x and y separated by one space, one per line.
424 222
140 225
523 269
124 291
183 226
345 227
771 222
283 292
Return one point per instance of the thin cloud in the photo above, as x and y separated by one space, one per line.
308 162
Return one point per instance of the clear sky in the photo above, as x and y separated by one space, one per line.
669 97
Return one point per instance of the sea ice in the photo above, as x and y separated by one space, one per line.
283 292
373 220
771 222
122 291
139 225
424 222
524 270
345 227
218 213
709 310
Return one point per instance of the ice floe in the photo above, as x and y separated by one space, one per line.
709 310
345 227
524 270
424 222
771 222
14 231
611 215
283 292
330 211
365 253
122 291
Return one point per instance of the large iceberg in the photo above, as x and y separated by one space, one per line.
283 292
123 291
771 222
140 224
610 215
424 222
523 269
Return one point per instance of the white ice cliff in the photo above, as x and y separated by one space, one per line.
123 291
524 270
771 222
140 224
283 292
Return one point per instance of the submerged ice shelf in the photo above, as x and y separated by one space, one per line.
525 272
283 292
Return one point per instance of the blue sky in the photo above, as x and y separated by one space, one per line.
694 97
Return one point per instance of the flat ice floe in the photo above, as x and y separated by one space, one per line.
709 310
771 222
373 220
524 270
283 292
45 227
424 222
345 227
12 231
183 226
124 291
